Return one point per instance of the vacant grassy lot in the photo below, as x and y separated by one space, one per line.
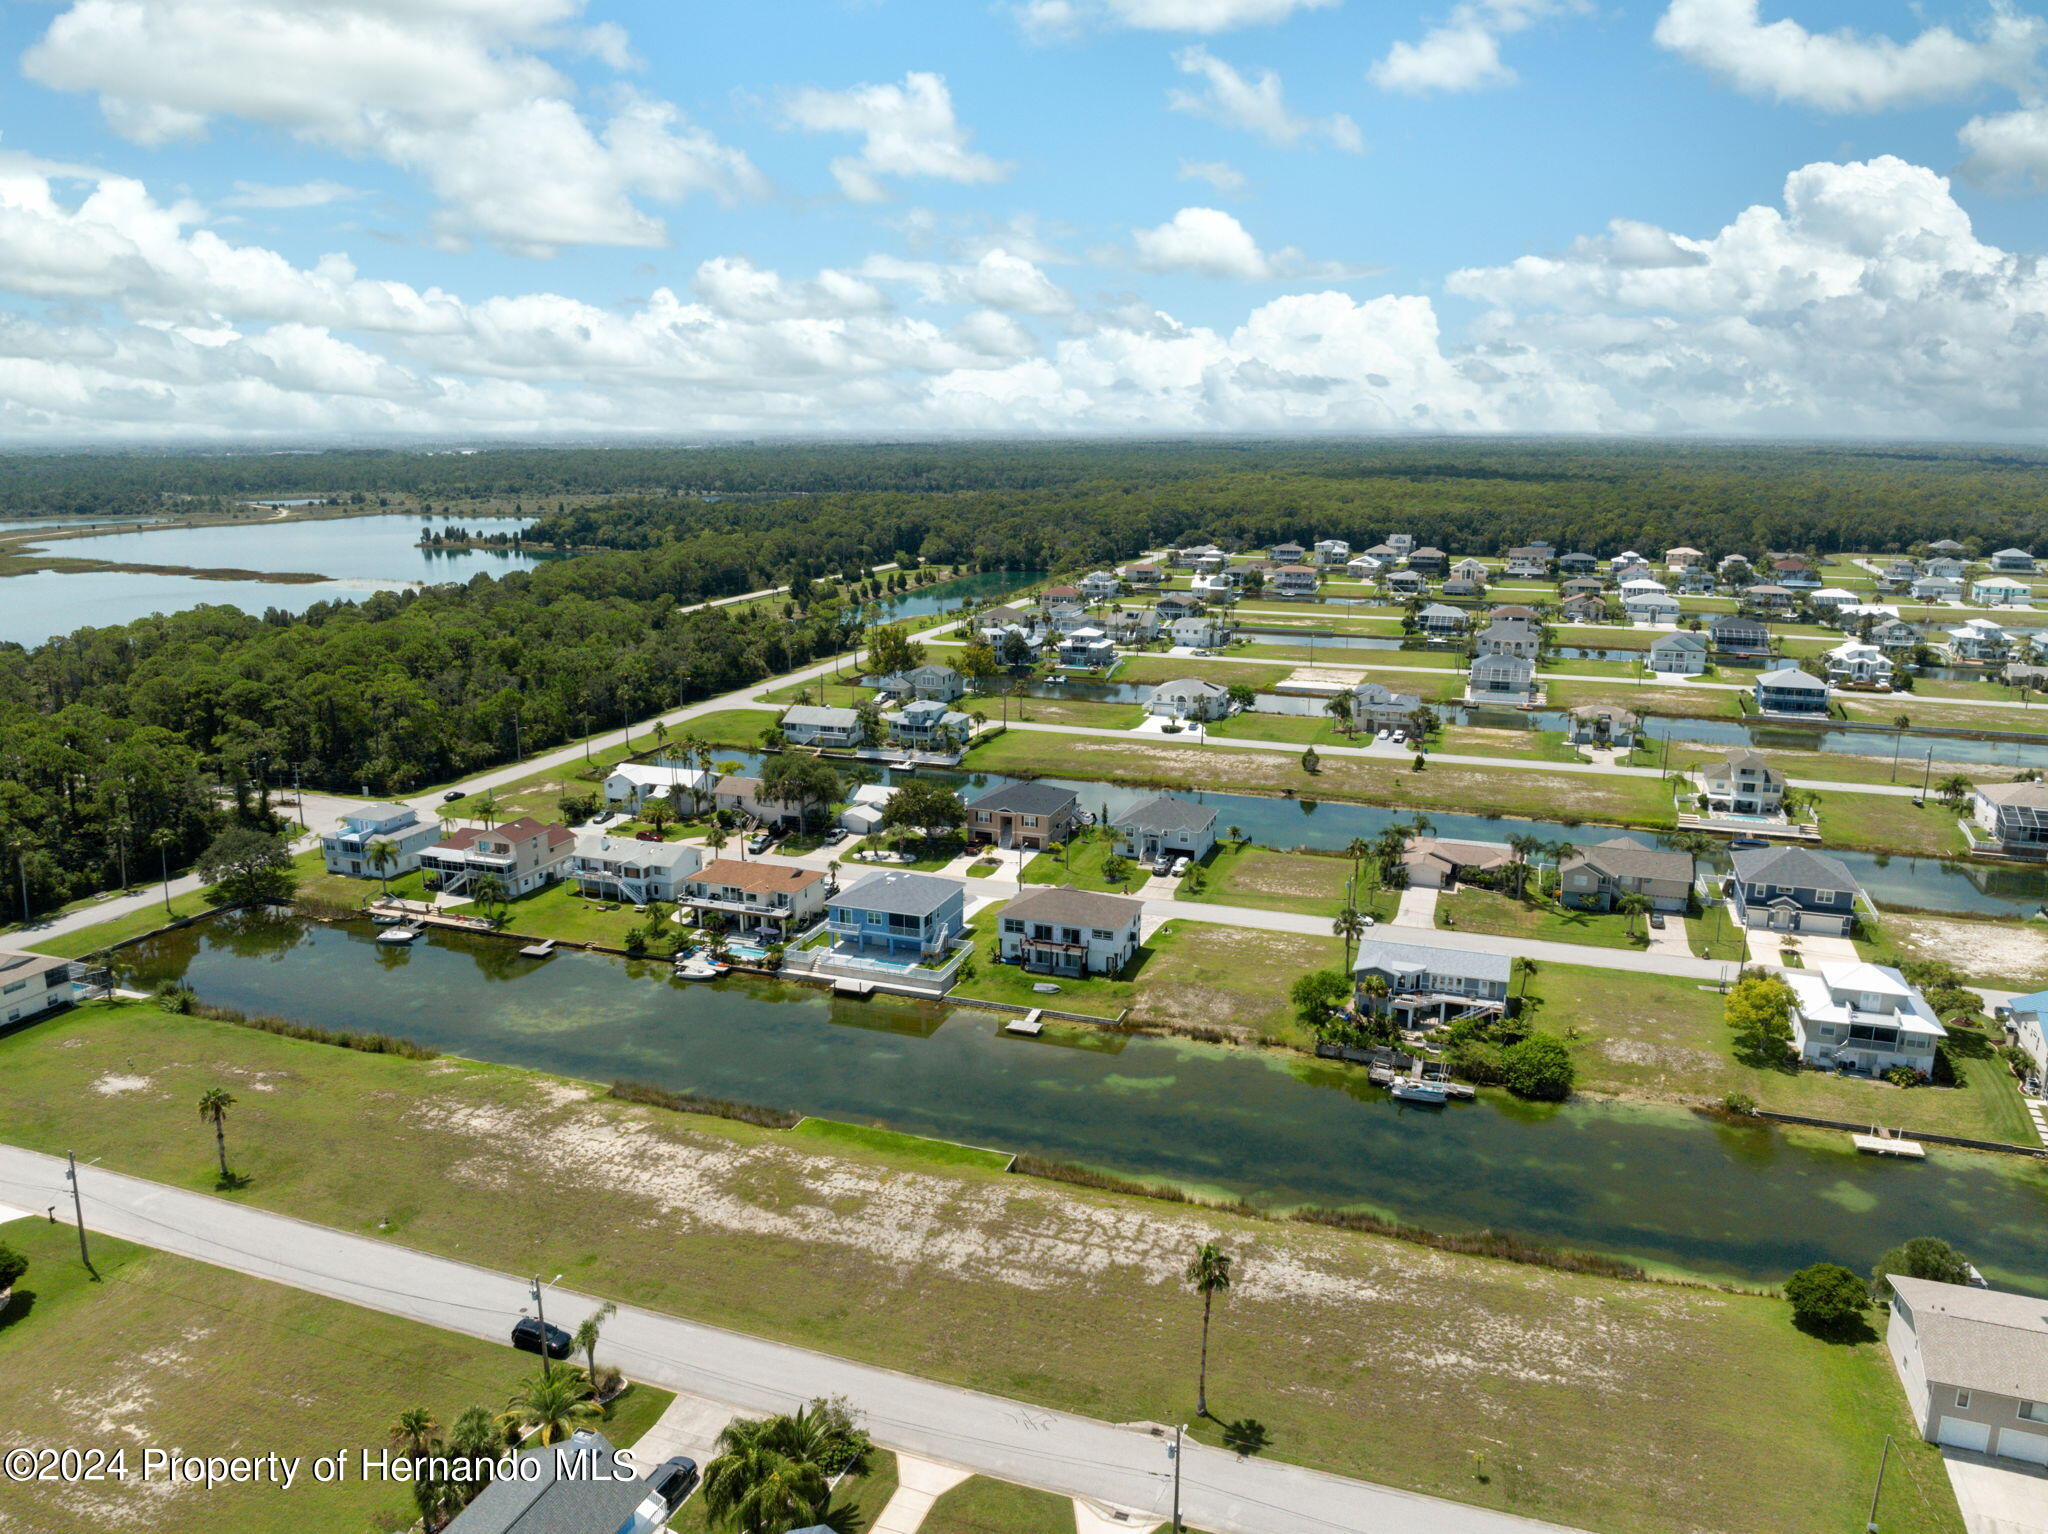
1057 1295
1651 698
1883 823
1234 979
982 1506
1172 668
1517 745
169 1353
831 1133
1088 711
1464 789
1931 714
2003 955
1311 883
1289 729
1478 910
1663 1037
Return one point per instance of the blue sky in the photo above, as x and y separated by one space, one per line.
274 219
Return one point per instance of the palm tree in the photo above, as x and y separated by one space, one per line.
658 812
1524 848
551 1405
1524 967
1350 926
1235 833
1359 850
716 838
1376 988
1339 709
416 1432
1953 789
1631 907
380 855
214 1103
1209 1274
487 808
487 890
164 839
586 1334
768 1476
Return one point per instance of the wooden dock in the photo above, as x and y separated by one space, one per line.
1031 1025
1386 1076
1887 1142
545 949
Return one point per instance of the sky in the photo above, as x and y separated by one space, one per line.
286 222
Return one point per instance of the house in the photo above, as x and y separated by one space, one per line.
928 725
1788 690
1441 622
1893 634
631 784
1743 783
1683 558
1681 653
1509 679
1131 625
34 983
1587 607
2013 559
1364 567
1295 581
898 914
1100 586
1861 1018
1853 663
1530 562
1332 551
1734 570
1424 986
1945 546
1509 636
739 795
1793 889
1513 610
1428 863
1217 590
1428 558
2000 591
2026 1029
1186 558
397 826
864 808
1087 649
941 684
1630 574
1900 572
1937 588
624 868
1387 553
811 724
1953 568
1979 641
1596 878
1626 559
1177 604
1697 580
1287 553
1064 931
1830 598
1457 589
1737 638
2013 815
1649 607
1061 618
1794 573
1061 596
758 895
1602 724
1577 563
1639 582
1469 569
1206 631
1583 586
2029 677
1165 827
1144 574
581 1485
1768 598
1032 815
1400 543
522 855
1404 583
1378 707
1974 1363
1189 699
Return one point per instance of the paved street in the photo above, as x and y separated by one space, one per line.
1072 1455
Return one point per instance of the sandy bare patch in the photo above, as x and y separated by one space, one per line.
1670 1057
115 1086
1269 874
2007 950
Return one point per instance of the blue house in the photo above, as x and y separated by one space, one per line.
347 850
898 914
1789 690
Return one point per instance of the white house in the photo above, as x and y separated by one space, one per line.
1681 653
811 724
347 850
1789 690
632 784
1650 607
1937 588
2013 815
1087 649
1509 679
1863 1018
1295 581
1381 708
2013 559
624 868
1131 625
1202 631
1743 783
31 983
1423 986
1853 663
863 812
929 725
1332 551
1064 931
1363 568
1979 640
2000 591
1829 598
1165 827
939 683
1100 586
1683 558
1189 699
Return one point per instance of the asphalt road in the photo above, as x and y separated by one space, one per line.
1123 1466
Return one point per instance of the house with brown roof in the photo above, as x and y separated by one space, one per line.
1060 930
758 895
1434 864
522 854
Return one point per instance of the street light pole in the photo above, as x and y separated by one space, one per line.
1174 1455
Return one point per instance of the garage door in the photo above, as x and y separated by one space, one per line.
1962 1433
2014 1443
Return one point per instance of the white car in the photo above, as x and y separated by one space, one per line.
1385 733
1399 736
1180 866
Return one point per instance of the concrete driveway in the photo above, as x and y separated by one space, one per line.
1998 1496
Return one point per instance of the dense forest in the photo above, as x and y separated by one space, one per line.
122 747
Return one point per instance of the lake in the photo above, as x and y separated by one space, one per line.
1655 1183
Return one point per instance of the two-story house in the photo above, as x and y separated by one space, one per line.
775 899
1509 636
1131 625
1059 930
1853 663
1937 588
939 684
1743 783
1974 1363
1203 631
1100 586
1286 553
1683 558
1164 827
2000 591
1295 581
631 784
1144 573
522 855
1793 889
1788 690
1795 574
812 724
1377 706
397 826
1469 569
1363 567
34 983
1863 1018
1332 552
625 868
1606 725
897 914
2012 815
1583 607
1029 815
1424 986
1768 597
1530 562
1577 563
1188 698
1087 649
928 725
1439 621
1683 652
1646 608
1429 559
2018 560
1978 642
1404 583
1504 679
1596 878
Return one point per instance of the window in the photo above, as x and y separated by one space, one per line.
2034 1411
1012 926
1100 934
1963 1400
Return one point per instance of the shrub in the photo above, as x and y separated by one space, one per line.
1927 1257
636 943
1538 1068
174 996
1739 1102
1902 1076
690 1102
12 1266
1759 1013
1826 1297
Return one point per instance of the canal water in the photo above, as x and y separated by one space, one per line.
1654 1183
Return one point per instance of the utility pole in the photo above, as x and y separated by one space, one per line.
1927 773
78 1209
1174 1455
1884 1454
541 1313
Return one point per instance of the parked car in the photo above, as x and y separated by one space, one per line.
602 816
452 795
835 836
672 1480
1180 866
760 842
1398 737
1385 733
1657 920
527 1331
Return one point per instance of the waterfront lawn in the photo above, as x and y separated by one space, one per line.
1738 1422
737 729
119 929
916 1148
1929 714
1091 712
1081 866
1103 996
559 912
1312 884
1826 766
311 880
1888 823
1572 797
1673 698
1172 668
1232 980
168 1352
983 1506
1480 910
1289 729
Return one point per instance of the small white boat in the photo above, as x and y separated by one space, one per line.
1409 1089
694 968
1045 988
398 934
386 919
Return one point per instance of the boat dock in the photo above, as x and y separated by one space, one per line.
1887 1142
545 949
1030 1025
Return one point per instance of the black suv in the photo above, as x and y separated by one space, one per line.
672 1480
526 1333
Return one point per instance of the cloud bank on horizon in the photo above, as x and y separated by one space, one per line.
268 221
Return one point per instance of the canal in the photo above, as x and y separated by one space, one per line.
1658 1184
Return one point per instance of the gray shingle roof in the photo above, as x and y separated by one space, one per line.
900 893
1026 799
573 1494
1188 687
1076 908
1399 958
820 717
1623 857
1793 868
1979 1339
1164 813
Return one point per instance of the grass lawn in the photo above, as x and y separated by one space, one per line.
891 1142
166 1352
1650 698
312 880
1081 866
1172 668
1882 823
1230 978
1663 1037
982 1506
1291 729
1464 789
1479 910
856 1503
825 693
540 794
1930 714
1829 766
1102 996
85 940
736 728
1088 711
1520 745
1736 1422
560 913
1310 883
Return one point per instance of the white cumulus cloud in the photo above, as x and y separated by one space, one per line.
1211 243
907 131
1257 104
1462 52
1220 174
